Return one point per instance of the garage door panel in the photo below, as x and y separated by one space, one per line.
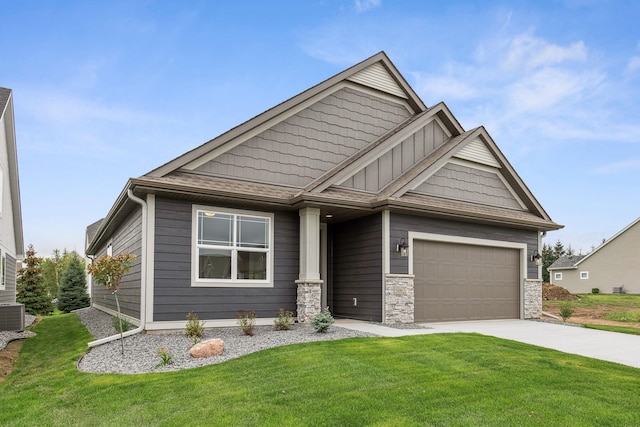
465 282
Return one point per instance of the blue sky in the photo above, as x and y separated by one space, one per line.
104 91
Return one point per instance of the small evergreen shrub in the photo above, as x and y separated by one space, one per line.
566 310
595 291
247 321
195 327
126 325
284 322
166 358
322 321
73 288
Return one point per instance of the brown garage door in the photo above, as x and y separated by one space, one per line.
465 282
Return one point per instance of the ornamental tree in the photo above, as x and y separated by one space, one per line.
108 271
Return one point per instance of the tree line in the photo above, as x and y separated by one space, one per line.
56 281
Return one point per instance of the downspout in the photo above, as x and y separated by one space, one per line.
143 277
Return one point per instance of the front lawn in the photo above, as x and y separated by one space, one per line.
442 379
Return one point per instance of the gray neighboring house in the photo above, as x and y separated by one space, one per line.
613 264
353 195
11 237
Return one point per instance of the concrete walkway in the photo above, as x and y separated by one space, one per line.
609 346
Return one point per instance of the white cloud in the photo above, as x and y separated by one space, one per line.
443 88
364 5
633 65
616 167
528 52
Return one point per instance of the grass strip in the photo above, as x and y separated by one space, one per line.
440 379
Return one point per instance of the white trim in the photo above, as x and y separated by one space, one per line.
386 257
557 276
586 275
522 247
231 144
217 323
232 283
150 262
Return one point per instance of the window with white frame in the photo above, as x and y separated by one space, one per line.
584 275
557 276
232 247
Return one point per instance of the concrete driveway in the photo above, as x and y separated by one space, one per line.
610 346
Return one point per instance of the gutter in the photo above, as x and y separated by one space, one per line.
143 278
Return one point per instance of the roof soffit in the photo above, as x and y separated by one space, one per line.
263 121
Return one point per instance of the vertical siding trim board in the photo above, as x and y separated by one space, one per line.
480 242
149 237
386 257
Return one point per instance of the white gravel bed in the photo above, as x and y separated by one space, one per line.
141 350
8 336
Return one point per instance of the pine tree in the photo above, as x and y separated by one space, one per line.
30 287
73 287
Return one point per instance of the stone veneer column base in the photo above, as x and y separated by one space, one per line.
532 298
399 300
309 299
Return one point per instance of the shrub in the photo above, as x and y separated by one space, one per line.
247 320
322 321
566 310
595 291
30 287
195 327
284 320
166 358
126 325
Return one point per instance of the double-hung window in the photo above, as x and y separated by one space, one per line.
232 248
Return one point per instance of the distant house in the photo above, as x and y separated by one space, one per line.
11 238
614 264
353 195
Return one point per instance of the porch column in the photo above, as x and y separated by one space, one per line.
309 299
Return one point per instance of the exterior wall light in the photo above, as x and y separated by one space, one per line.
536 257
403 248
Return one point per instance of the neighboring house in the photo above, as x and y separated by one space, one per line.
353 195
613 264
11 238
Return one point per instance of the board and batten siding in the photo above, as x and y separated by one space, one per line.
174 296
8 295
308 144
401 224
127 239
376 175
357 268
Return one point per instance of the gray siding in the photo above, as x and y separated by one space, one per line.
397 161
357 268
9 293
127 239
459 182
175 297
401 224
306 145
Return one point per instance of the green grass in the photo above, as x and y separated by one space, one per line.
441 379
621 329
629 301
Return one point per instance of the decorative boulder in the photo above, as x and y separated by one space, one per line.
208 348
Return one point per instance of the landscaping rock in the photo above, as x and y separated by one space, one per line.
214 347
